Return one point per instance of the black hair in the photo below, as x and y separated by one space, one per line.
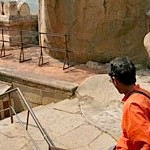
123 69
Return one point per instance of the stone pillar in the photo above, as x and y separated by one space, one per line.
10 8
1 8
42 22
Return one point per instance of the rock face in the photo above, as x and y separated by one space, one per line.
98 29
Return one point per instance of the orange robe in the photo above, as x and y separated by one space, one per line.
135 122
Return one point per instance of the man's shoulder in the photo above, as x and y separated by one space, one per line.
143 92
140 91
139 98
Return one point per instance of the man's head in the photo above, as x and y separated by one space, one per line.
123 70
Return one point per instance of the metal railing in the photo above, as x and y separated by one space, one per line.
12 111
23 44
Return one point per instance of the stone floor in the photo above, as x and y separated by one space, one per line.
54 68
86 122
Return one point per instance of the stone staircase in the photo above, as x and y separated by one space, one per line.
90 121
65 124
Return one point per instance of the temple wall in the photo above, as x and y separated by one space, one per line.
15 17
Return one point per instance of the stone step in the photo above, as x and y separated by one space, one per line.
65 125
89 121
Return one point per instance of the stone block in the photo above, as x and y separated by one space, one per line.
53 95
10 40
32 95
13 38
4 104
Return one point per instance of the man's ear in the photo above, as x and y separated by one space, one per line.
116 82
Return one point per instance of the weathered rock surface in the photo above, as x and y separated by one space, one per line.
98 29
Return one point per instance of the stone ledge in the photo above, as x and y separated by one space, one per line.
37 79
38 89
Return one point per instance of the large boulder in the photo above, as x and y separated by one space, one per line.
101 104
99 30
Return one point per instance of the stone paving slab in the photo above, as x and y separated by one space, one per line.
14 137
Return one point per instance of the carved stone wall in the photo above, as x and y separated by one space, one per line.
98 29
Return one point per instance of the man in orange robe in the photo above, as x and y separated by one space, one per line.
136 109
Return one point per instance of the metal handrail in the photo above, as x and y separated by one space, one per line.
42 130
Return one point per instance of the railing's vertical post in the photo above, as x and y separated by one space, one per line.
10 111
41 59
66 59
49 141
3 50
3 44
27 119
41 52
21 58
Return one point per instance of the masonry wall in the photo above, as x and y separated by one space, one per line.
15 17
